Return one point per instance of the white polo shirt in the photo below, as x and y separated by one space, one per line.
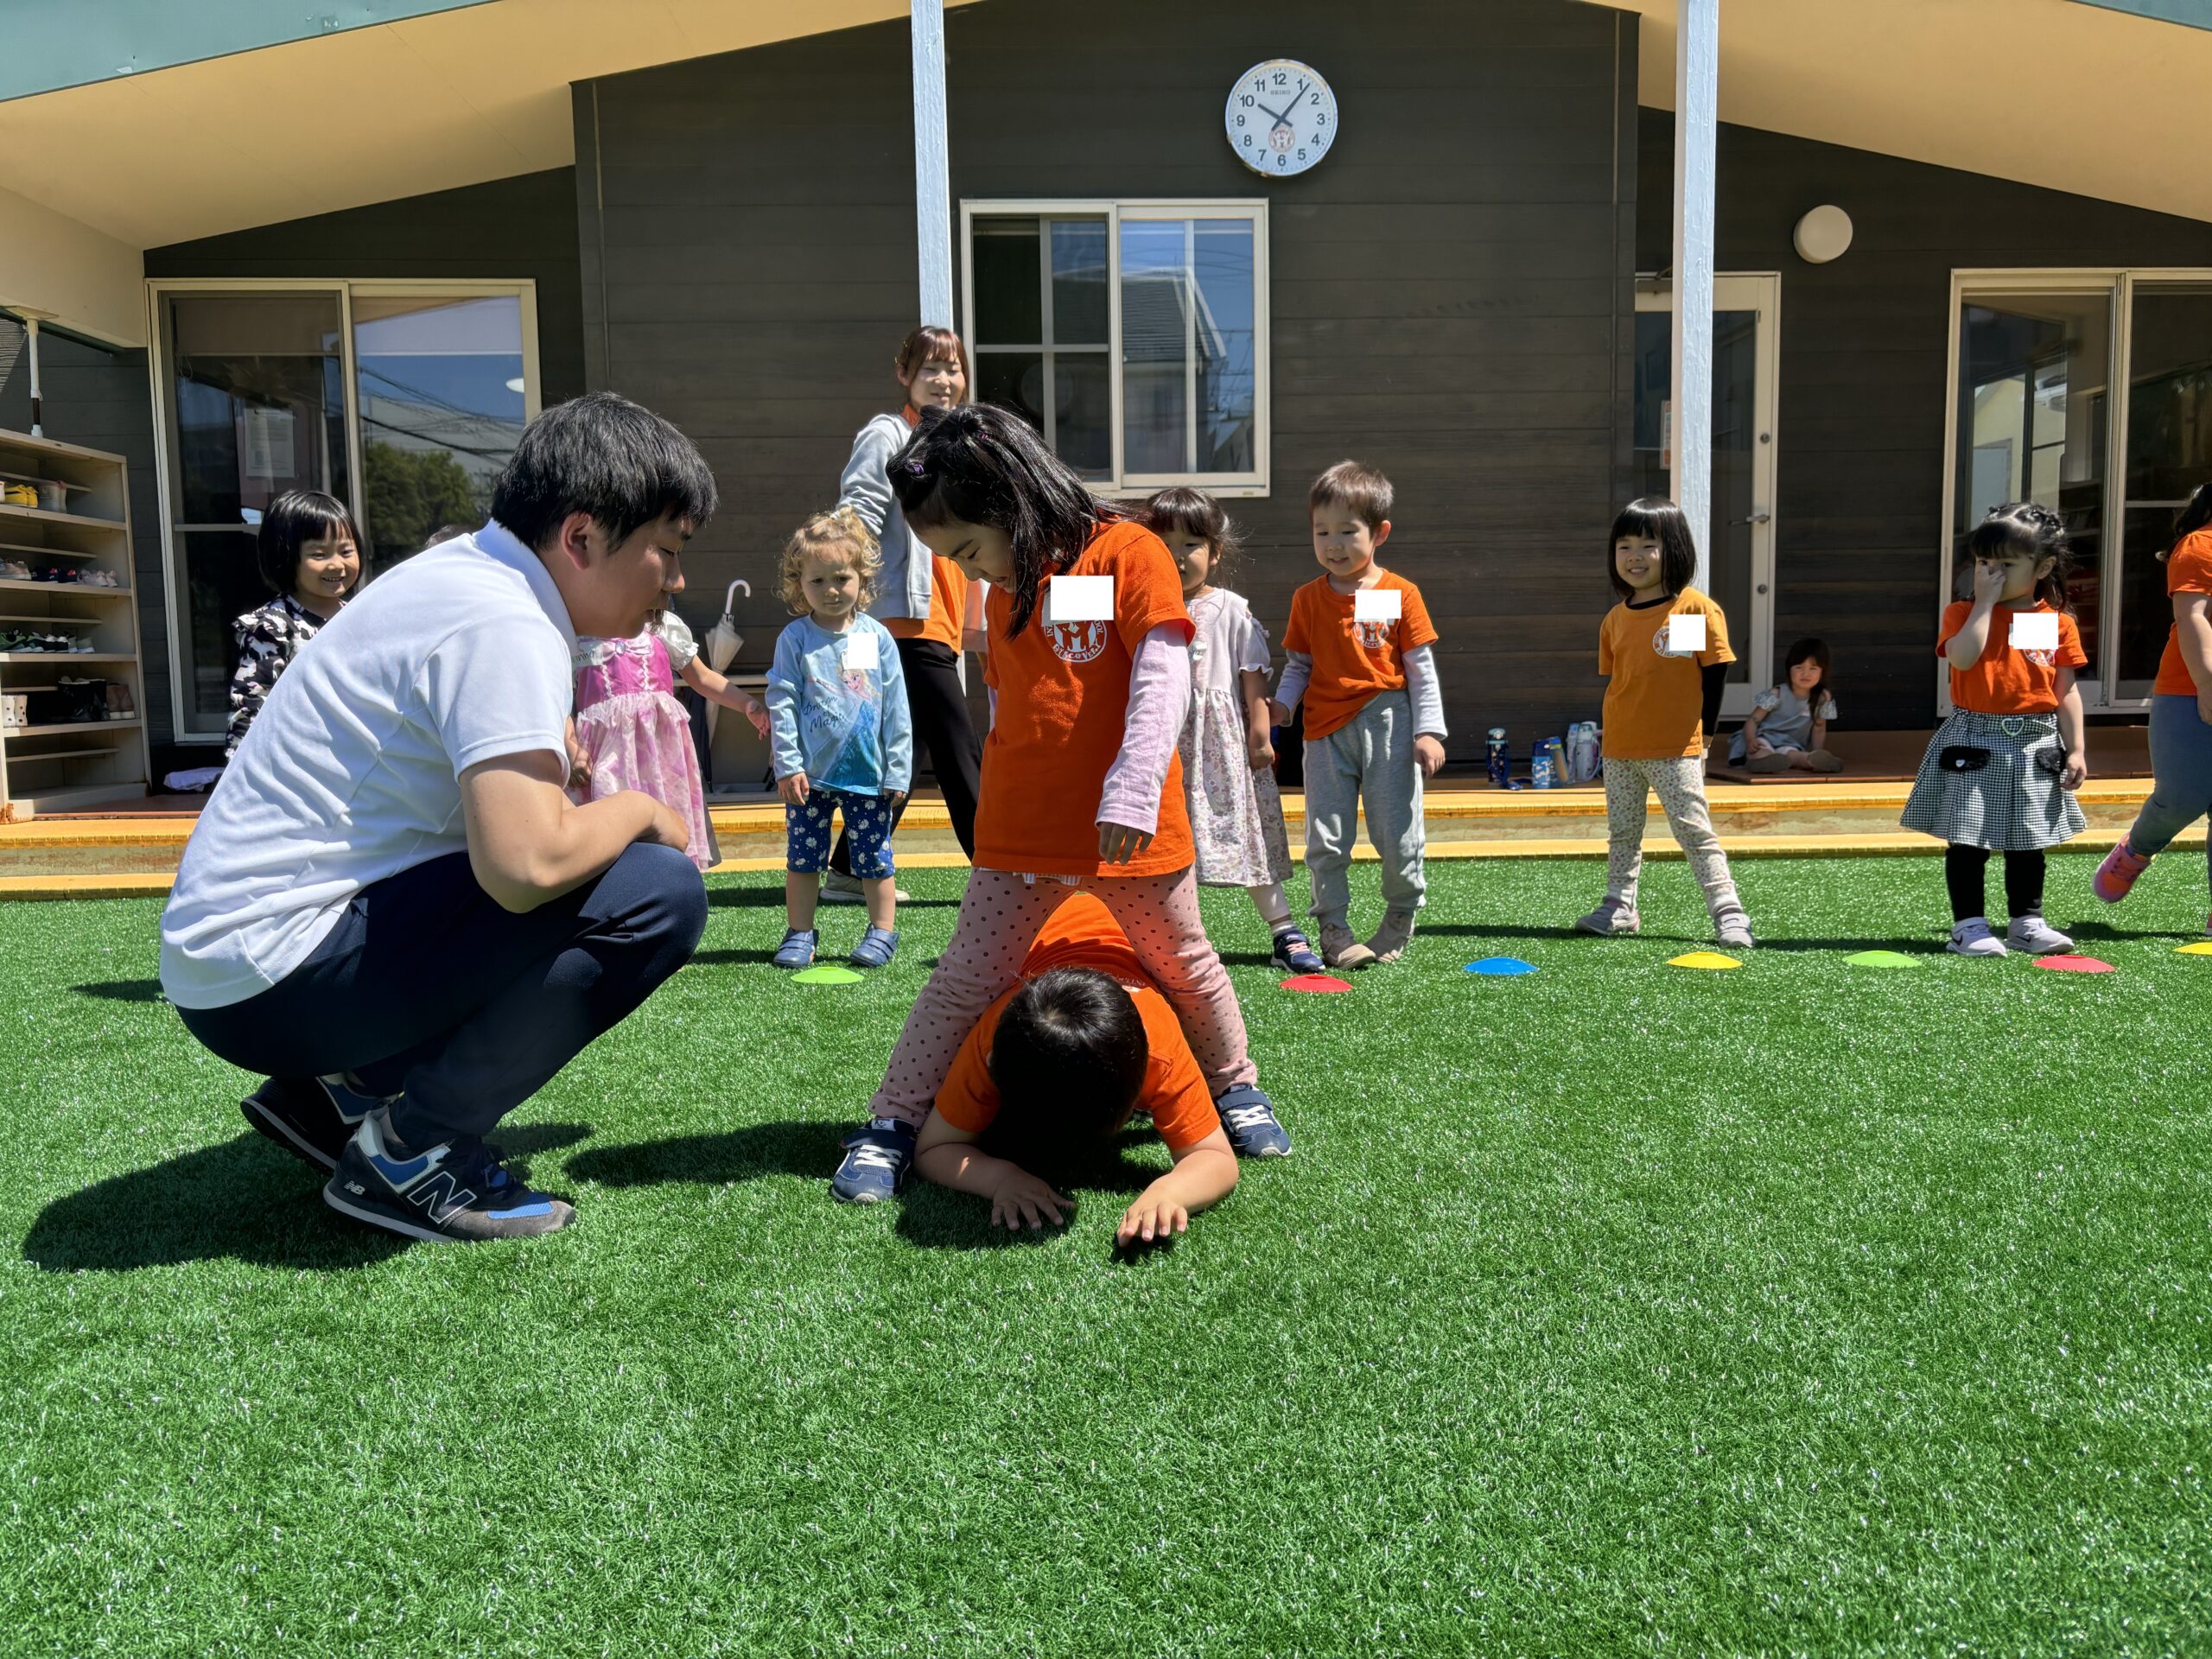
352 771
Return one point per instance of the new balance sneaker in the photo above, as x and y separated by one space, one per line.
1340 949
312 1118
1294 953
1610 918
1248 1116
1391 938
2115 877
878 1154
456 1191
1971 937
2033 935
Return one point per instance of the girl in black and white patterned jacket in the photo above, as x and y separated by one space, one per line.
310 556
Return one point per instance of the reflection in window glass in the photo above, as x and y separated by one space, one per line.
1042 332
442 402
1189 382
2169 455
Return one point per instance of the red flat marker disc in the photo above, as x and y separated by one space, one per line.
2074 965
1320 984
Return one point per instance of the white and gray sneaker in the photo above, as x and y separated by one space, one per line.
1612 918
1733 932
2033 935
1971 937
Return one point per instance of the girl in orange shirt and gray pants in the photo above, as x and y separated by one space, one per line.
1666 646
1082 787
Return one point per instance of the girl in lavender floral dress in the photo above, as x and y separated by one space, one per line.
1228 749
634 734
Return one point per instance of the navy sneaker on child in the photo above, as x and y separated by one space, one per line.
878 1154
1249 1118
798 948
877 946
1294 953
457 1189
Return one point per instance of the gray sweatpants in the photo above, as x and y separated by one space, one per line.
1371 759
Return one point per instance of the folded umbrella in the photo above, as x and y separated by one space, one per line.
722 641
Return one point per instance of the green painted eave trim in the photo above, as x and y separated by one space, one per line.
46 45
2194 14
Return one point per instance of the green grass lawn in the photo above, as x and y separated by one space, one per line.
1618 1309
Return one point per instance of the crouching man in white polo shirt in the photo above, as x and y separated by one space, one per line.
391 906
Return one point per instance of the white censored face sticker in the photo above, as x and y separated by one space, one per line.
2035 631
1685 634
1375 605
1079 599
860 651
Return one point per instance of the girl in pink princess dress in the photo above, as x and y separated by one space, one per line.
633 734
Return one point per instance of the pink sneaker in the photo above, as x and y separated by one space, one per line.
2115 877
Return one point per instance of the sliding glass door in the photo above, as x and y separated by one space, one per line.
403 400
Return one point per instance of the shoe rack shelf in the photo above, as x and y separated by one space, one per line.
80 529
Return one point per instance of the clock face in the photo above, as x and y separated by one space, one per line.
1282 117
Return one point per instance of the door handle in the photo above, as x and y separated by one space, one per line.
1761 517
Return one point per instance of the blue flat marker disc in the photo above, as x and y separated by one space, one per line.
1501 966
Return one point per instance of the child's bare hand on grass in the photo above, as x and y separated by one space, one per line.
1151 1220
1021 1200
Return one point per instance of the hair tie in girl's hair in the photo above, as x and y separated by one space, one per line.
916 468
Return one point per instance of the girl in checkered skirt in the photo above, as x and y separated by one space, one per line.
2001 774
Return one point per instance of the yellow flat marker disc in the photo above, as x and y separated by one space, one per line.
1710 960
2202 948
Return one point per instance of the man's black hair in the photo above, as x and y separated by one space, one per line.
602 454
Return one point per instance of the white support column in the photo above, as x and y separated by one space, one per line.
933 176
1697 75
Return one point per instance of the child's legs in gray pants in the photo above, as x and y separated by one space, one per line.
1390 785
1626 791
1679 784
2181 758
1372 757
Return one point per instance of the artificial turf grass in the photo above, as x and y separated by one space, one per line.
1615 1308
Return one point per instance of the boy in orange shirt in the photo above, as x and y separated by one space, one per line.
1059 1064
1359 648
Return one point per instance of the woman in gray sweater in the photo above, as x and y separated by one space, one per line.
930 609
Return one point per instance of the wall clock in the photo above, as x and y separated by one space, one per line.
1282 117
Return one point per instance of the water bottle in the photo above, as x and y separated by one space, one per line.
1540 772
1582 762
1501 764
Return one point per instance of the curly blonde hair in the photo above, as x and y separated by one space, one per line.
840 535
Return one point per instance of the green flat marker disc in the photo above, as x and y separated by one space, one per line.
827 973
2202 948
1883 959
1711 960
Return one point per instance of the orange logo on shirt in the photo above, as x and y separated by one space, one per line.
1660 647
1372 636
1076 642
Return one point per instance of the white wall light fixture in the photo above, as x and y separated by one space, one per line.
1823 235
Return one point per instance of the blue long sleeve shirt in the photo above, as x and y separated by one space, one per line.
837 707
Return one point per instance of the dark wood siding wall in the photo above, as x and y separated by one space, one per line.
1449 287
1859 509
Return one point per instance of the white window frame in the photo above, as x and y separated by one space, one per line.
1116 213
523 289
2117 283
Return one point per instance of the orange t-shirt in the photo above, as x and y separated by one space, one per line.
947 609
1062 697
1655 705
2004 681
1353 662
2189 570
1081 933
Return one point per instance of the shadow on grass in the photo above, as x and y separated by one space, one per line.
243 1200
123 990
2123 935
934 1217
748 1154
1497 930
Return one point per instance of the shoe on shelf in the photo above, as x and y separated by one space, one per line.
2115 877
2035 937
1340 949
1733 932
458 1190
798 948
1391 938
878 1154
1971 937
1248 1117
312 1118
877 946
1610 919
1294 953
